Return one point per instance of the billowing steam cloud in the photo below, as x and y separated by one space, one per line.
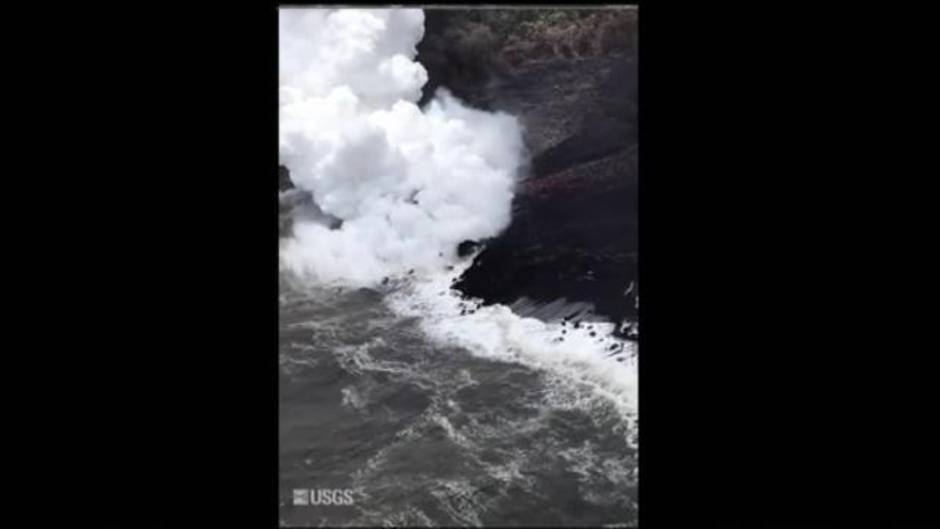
408 184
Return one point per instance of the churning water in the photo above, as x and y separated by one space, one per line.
419 407
431 417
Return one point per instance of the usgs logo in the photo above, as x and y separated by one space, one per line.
323 497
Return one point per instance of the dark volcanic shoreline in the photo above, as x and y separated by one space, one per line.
574 228
571 80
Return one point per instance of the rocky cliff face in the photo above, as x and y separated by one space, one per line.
294 203
571 80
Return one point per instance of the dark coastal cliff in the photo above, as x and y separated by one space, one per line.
571 78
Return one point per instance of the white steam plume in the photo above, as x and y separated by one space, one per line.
409 185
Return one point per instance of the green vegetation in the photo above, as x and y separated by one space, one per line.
529 34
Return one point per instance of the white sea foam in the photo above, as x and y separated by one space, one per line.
579 361
410 184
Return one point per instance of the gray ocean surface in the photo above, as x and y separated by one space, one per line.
430 435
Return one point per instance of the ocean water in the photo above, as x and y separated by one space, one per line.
428 410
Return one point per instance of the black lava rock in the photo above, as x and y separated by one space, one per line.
577 210
466 248
284 182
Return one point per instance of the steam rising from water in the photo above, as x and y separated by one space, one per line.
409 184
